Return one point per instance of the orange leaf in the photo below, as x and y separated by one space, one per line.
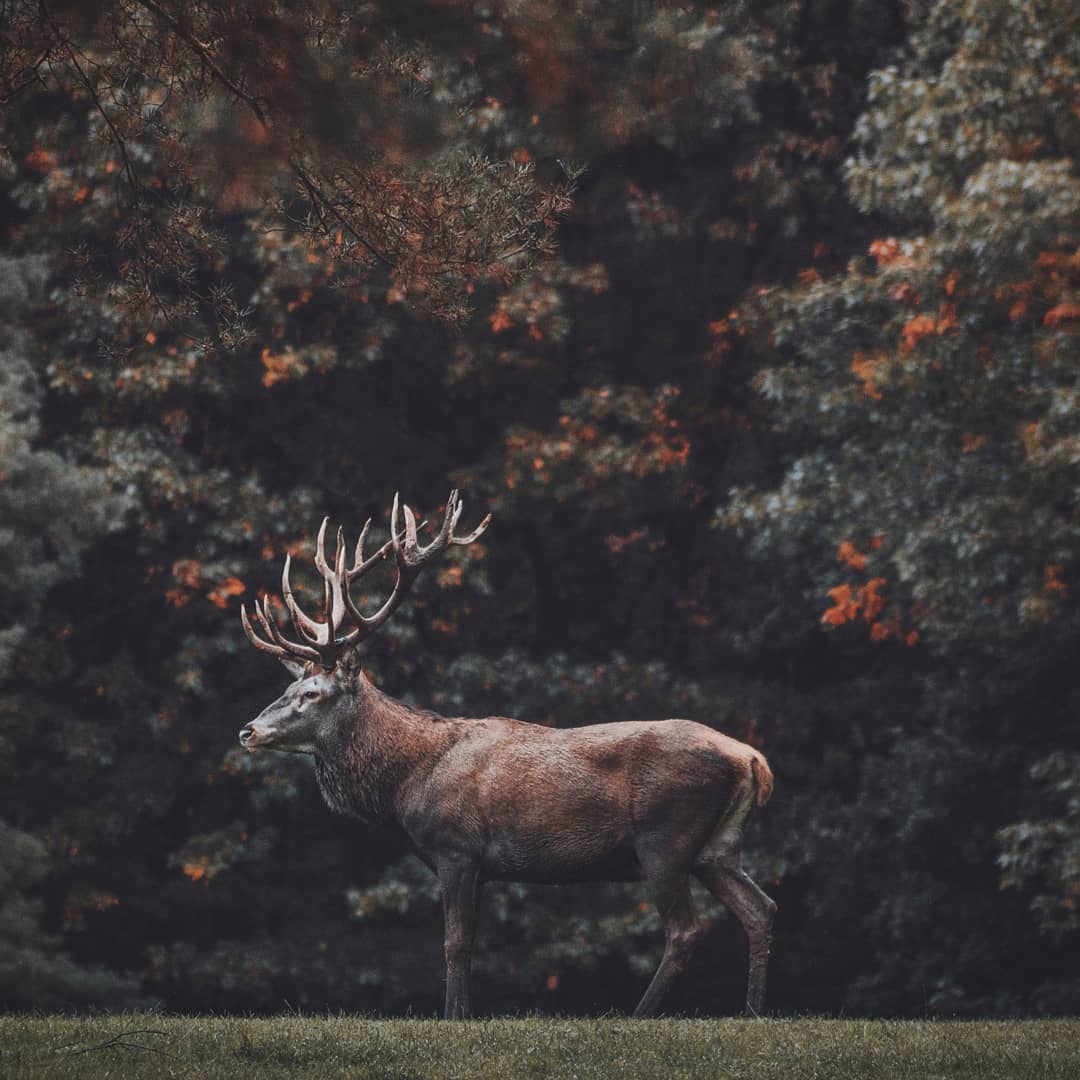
1052 579
916 329
872 602
848 554
840 594
40 160
866 368
834 617
1060 313
886 250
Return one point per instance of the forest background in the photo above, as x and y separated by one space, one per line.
754 324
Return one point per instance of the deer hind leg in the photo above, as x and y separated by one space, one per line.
719 868
671 894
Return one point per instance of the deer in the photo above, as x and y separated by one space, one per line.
498 799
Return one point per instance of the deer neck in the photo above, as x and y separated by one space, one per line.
376 753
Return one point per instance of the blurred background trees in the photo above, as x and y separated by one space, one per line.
755 327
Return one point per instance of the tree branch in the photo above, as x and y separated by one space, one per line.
121 145
203 51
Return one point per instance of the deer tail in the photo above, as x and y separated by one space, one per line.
763 778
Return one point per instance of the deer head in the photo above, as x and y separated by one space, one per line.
323 662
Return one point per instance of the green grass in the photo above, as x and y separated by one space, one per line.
313 1047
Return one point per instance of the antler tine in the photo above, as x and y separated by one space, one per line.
400 543
360 564
333 604
254 638
474 535
270 627
411 553
320 549
335 607
358 558
309 630
285 651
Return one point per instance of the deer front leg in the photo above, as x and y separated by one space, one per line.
459 891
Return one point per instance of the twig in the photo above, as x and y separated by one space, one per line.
33 77
253 104
121 145
321 201
118 1040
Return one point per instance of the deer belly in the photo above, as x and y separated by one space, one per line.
560 857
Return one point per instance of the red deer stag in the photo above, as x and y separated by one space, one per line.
500 800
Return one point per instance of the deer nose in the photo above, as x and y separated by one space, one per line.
247 733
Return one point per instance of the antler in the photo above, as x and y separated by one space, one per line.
319 641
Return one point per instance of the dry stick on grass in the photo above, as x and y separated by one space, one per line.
118 1040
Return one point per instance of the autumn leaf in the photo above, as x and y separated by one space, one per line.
219 596
845 608
915 329
40 160
871 600
850 555
885 250
866 368
1061 313
1052 579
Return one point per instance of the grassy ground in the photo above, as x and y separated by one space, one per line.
136 1046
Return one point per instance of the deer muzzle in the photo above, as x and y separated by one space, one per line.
251 737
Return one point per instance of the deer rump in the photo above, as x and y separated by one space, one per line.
581 804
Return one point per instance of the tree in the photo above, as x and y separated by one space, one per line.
927 395
52 512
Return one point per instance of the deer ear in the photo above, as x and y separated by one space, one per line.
293 667
349 664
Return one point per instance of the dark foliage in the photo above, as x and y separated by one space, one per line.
777 420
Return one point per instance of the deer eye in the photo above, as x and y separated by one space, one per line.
309 695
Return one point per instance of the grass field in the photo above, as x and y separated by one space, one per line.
136 1046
